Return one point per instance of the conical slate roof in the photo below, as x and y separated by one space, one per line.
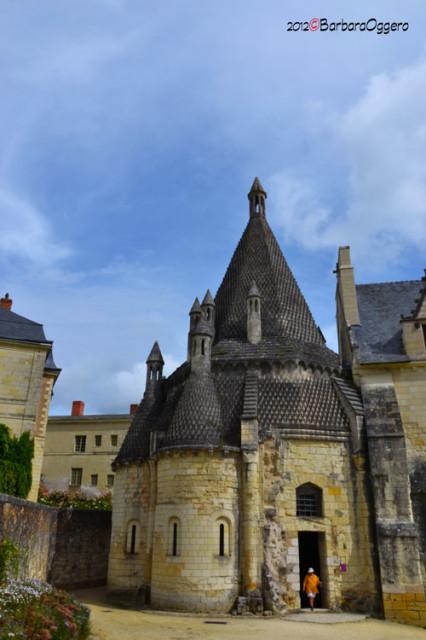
256 187
155 355
197 419
258 258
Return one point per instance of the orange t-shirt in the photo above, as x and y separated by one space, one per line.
310 583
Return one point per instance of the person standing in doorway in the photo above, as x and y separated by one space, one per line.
310 586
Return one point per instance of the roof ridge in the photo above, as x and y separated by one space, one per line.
370 284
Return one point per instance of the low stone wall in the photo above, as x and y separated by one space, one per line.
80 557
67 547
32 528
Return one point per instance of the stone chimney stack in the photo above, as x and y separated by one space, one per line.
77 408
200 338
257 196
6 302
254 316
154 369
208 307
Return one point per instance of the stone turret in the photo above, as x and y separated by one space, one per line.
254 316
208 308
257 196
154 369
200 342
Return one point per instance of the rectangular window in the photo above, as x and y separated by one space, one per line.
76 477
98 441
94 480
110 480
114 441
80 444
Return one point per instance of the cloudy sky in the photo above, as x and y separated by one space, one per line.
131 132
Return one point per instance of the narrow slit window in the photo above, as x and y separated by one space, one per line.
133 540
256 305
133 537
203 347
174 541
221 539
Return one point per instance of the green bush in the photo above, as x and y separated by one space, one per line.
9 560
34 610
74 500
16 456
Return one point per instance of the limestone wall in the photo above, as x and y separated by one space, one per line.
25 396
199 492
67 547
131 504
346 567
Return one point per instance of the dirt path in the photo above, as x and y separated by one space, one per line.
110 623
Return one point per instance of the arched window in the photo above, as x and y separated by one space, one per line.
224 537
174 537
133 535
309 500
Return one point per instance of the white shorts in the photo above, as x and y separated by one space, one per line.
310 594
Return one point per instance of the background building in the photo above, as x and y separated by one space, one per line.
80 449
27 375
382 340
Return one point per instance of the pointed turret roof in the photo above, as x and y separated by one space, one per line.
208 299
196 308
254 291
256 187
258 258
155 355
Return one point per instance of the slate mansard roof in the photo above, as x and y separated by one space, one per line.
380 305
205 408
17 328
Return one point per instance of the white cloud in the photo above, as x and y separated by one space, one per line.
383 149
25 233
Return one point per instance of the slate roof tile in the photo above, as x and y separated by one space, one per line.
379 335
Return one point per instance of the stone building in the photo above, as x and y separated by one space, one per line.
27 375
249 463
80 449
382 342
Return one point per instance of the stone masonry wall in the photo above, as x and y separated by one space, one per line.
66 547
128 572
32 528
198 491
80 555
345 525
398 540
22 387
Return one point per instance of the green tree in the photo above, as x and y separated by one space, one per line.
16 456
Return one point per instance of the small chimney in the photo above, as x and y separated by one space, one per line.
133 409
77 408
6 302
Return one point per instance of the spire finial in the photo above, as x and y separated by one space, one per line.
257 196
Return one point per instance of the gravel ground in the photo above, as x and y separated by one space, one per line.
111 623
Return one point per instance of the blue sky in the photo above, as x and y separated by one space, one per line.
131 133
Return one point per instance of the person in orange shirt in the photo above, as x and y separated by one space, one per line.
310 586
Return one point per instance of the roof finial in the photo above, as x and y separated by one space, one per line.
257 196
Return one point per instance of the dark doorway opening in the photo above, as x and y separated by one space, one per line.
311 546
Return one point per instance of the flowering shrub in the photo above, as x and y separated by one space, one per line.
30 609
66 500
